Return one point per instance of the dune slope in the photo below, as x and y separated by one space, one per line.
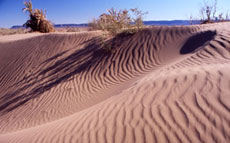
163 84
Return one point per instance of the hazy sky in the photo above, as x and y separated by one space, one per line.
81 11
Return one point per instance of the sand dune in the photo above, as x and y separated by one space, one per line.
160 85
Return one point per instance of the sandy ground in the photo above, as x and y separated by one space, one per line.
160 85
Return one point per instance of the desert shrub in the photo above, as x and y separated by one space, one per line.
222 17
208 13
227 16
138 20
192 20
6 31
37 21
94 24
116 22
72 29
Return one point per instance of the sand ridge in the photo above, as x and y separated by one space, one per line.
163 84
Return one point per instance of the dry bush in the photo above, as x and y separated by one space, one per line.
94 24
208 13
227 16
138 20
191 20
37 21
6 31
72 29
116 22
223 17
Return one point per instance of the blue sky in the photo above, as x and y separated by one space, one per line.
81 11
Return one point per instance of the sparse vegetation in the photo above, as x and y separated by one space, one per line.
37 21
138 20
6 31
72 29
208 13
191 20
116 22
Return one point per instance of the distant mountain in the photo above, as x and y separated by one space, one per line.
57 25
17 26
71 25
161 22
171 22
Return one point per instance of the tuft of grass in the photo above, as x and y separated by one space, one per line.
37 21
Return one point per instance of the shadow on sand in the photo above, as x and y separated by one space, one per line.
89 57
197 41
92 57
